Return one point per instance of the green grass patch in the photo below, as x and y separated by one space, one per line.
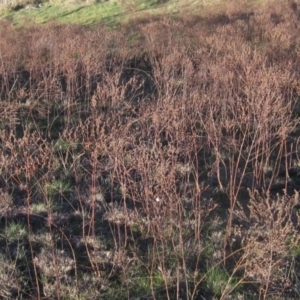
73 13
85 13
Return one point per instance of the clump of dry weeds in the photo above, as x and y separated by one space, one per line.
163 168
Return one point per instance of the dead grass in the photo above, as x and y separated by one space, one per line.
163 166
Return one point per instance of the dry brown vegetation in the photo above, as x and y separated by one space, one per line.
160 161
